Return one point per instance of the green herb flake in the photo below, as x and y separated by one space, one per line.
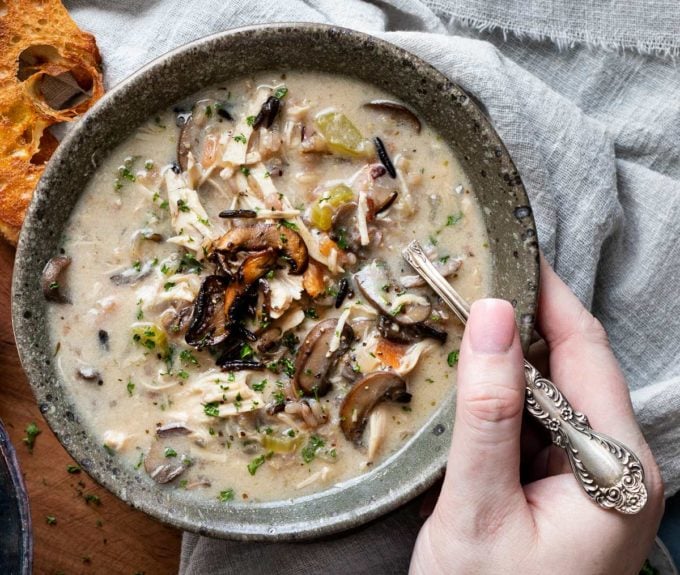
288 366
452 358
92 498
240 138
32 431
190 264
130 387
290 225
183 483
250 120
182 374
311 313
51 520
309 451
54 285
231 377
148 165
227 495
260 385
255 464
280 92
444 259
139 461
182 206
453 219
168 285
245 170
164 205
73 469
212 409
188 358
246 352
169 452
110 450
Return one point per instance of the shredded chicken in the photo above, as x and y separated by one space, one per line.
285 288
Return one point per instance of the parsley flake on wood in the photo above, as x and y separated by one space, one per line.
72 469
51 520
32 431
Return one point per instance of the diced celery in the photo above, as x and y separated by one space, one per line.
279 444
340 134
322 216
150 336
339 195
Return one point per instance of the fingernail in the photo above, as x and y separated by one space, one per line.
491 326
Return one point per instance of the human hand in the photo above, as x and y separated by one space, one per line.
486 521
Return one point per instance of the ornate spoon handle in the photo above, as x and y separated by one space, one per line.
609 472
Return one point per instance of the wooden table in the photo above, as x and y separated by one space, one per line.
93 531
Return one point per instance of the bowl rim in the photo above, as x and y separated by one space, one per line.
294 529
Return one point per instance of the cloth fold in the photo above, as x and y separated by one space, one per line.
594 134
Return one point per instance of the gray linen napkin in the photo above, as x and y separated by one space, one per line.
594 134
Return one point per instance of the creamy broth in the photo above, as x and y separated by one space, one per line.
147 233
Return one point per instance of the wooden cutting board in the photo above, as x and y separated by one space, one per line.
92 531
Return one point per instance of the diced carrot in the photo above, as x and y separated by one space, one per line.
209 151
390 353
326 245
312 280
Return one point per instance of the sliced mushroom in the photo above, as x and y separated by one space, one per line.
375 283
172 429
267 113
209 322
408 333
364 396
168 457
254 267
315 358
269 341
284 240
397 111
50 280
131 276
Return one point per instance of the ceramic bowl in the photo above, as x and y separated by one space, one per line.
16 543
178 74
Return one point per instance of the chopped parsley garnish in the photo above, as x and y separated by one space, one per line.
190 264
182 206
452 358
32 431
246 351
168 285
240 138
309 451
288 366
139 461
311 313
453 219
148 165
54 285
434 241
212 409
92 498
255 464
406 408
342 239
164 205
137 266
429 380
183 374
444 259
110 450
290 225
188 358
250 120
281 92
290 341
231 377
126 173
245 170
169 452
226 495
183 483
72 469
279 397
130 387
260 385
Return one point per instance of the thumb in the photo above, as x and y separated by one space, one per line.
483 467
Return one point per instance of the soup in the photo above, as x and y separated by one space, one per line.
231 313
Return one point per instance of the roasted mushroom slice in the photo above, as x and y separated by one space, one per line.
132 275
169 456
284 240
318 354
364 396
209 322
254 267
398 111
50 280
375 283
409 333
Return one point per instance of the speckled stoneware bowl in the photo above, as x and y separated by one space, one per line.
179 74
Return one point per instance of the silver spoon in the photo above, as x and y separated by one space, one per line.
609 472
